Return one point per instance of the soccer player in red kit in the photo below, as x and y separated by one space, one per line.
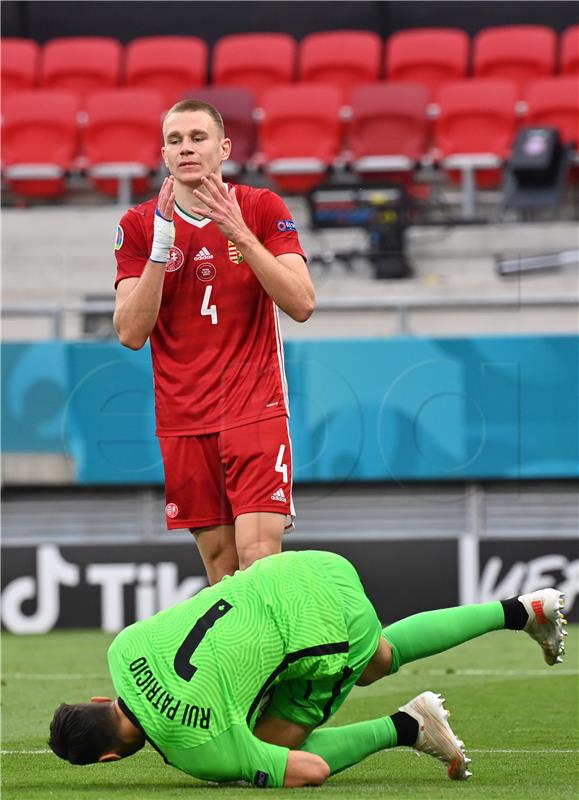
201 271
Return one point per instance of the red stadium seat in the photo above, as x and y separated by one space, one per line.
300 134
122 140
570 51
19 65
81 64
340 58
431 56
40 141
518 53
555 102
475 131
255 61
388 131
170 64
236 106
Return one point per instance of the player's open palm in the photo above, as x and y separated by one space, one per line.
221 206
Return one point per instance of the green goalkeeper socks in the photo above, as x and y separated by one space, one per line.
433 632
345 746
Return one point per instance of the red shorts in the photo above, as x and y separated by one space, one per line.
212 479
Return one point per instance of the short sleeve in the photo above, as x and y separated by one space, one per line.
131 247
236 755
279 231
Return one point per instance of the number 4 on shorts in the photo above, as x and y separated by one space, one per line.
279 465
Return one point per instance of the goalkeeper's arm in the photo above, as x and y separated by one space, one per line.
138 299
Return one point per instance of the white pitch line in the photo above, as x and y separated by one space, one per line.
476 673
49 676
524 752
499 673
468 750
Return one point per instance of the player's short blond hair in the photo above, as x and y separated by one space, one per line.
197 105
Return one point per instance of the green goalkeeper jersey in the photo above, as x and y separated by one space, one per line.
193 676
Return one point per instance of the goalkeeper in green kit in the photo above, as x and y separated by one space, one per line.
234 683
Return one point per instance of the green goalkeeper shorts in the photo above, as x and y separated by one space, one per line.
313 702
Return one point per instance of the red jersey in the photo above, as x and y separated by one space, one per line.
216 346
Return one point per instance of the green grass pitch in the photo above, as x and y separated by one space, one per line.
517 716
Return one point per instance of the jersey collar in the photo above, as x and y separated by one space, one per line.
197 222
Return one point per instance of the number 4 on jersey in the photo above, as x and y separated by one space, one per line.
279 465
206 309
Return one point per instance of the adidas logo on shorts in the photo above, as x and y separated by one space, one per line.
279 496
203 255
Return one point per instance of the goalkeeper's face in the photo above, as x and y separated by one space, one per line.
194 146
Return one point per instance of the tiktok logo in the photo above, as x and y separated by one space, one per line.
155 587
53 571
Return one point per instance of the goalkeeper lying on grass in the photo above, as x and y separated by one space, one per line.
234 683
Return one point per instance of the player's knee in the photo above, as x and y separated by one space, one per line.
219 556
379 666
320 772
305 769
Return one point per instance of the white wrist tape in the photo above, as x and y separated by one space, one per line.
163 238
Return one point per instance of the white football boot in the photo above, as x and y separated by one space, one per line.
546 621
435 736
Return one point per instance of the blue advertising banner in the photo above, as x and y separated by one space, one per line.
396 410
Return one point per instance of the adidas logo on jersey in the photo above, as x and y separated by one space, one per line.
279 496
203 255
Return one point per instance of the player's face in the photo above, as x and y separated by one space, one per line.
193 146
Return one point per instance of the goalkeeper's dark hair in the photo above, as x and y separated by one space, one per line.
197 105
83 732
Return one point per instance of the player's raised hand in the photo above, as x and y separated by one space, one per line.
221 206
163 226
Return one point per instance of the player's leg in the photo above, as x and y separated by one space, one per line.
280 731
258 534
258 476
422 723
218 550
299 705
431 632
197 500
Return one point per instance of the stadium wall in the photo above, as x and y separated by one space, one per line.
108 586
209 20
413 409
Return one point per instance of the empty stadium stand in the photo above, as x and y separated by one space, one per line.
341 58
555 102
474 132
569 52
298 149
360 64
19 58
431 56
519 53
81 64
40 141
389 130
255 61
122 140
171 65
